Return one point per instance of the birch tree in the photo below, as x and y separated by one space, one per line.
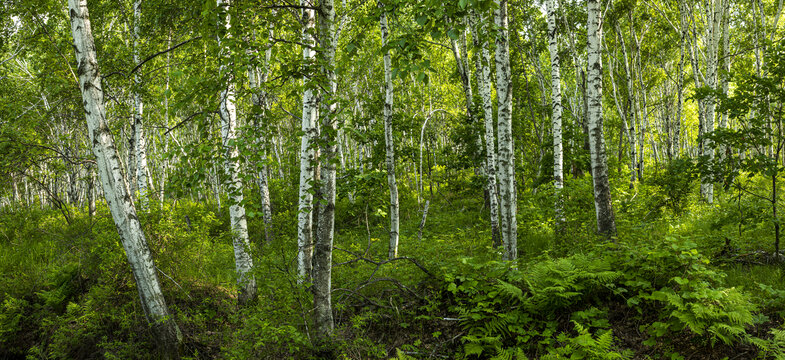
114 185
507 190
388 137
484 87
258 78
308 128
714 13
606 223
237 219
556 109
323 247
140 141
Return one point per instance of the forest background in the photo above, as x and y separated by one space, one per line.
393 179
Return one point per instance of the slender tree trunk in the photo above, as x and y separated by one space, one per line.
238 222
484 87
131 166
91 193
726 62
507 192
388 139
258 79
677 127
139 137
308 126
629 119
642 91
714 14
625 127
606 223
322 258
115 187
556 111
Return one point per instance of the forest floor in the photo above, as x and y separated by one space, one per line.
681 284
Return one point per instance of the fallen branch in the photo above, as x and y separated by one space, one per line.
380 263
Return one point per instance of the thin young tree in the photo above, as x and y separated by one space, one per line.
140 141
556 110
388 137
484 87
237 219
606 222
259 98
323 246
308 127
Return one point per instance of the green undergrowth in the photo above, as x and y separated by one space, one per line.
683 279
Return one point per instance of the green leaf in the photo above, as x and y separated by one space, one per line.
472 349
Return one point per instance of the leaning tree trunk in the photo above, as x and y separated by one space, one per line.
140 142
556 108
308 127
388 139
115 187
238 222
323 247
606 223
506 148
484 87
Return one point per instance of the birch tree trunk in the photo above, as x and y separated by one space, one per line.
115 187
623 116
237 220
643 108
726 63
308 124
677 127
629 121
140 142
323 250
506 149
388 139
556 108
258 79
484 87
606 223
91 192
714 11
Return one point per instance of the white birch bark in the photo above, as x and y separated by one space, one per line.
234 187
308 127
714 12
507 192
323 247
643 108
556 110
630 119
114 185
91 192
484 87
140 142
726 62
258 79
622 116
388 139
677 136
606 223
